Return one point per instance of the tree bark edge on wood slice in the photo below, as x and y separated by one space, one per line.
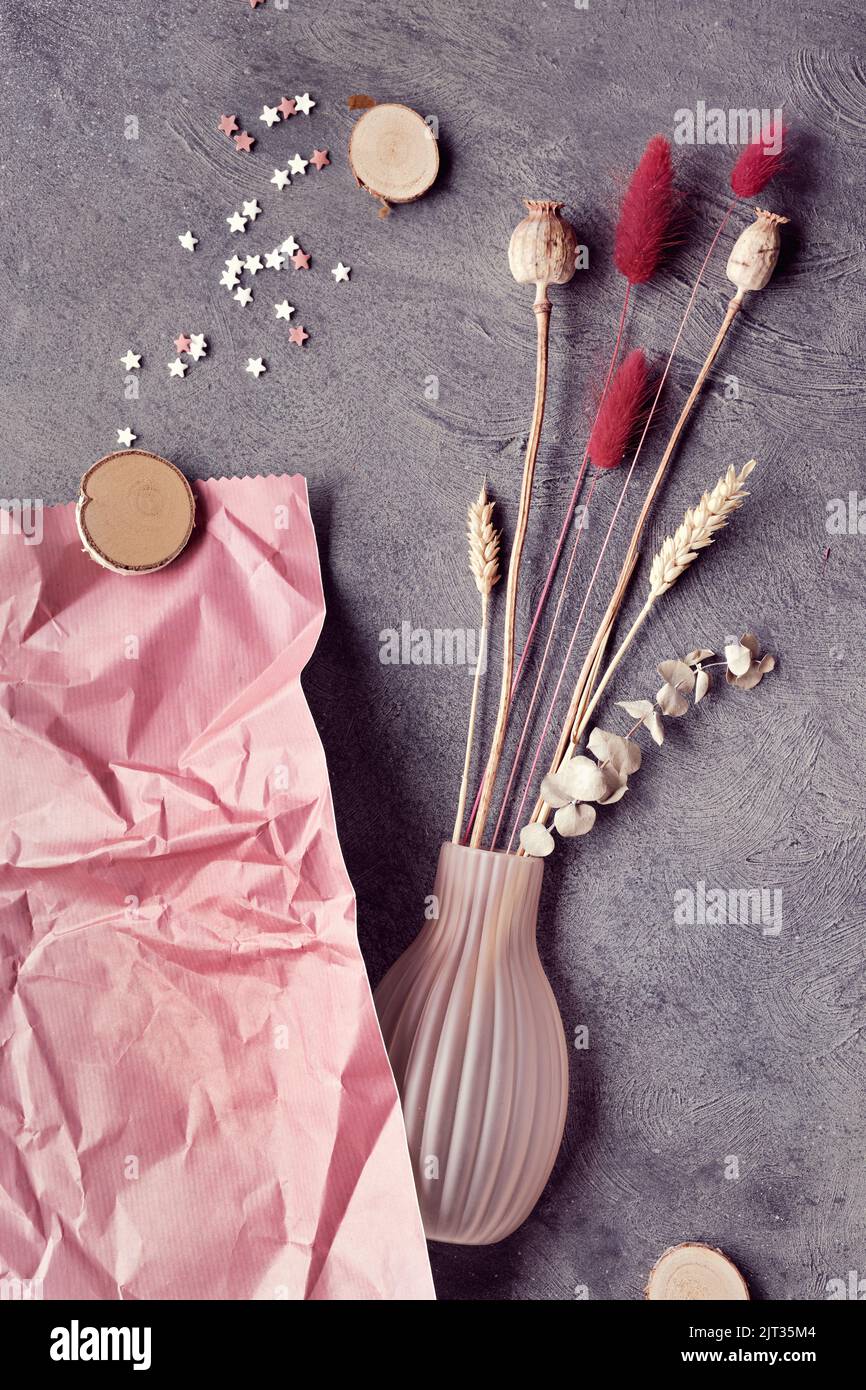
394 154
695 1271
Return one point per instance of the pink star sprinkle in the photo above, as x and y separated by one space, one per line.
244 141
319 158
298 335
301 260
228 124
182 344
253 3
286 108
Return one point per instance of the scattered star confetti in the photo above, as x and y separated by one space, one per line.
298 335
131 361
243 294
177 367
319 158
229 278
237 223
290 246
275 260
341 272
304 103
298 165
255 366
188 241
286 108
301 260
244 141
197 346
126 437
251 210
284 310
270 116
181 344
228 124
281 178
235 265
253 264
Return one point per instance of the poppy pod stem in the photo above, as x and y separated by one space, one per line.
541 252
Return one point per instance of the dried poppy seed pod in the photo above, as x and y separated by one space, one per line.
755 253
543 248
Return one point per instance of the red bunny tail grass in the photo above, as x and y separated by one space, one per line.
759 162
621 412
645 216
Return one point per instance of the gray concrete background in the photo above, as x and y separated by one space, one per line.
705 1042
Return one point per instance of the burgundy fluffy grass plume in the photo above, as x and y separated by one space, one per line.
621 411
645 218
759 162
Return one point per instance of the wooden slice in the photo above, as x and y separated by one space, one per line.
693 1271
135 512
393 153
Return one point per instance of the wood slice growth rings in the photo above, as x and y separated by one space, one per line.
393 154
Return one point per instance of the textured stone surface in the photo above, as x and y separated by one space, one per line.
705 1042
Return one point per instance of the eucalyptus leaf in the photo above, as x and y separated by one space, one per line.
574 820
584 779
677 673
638 709
554 791
536 840
656 727
738 657
670 701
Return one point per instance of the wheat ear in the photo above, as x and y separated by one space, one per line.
484 563
678 552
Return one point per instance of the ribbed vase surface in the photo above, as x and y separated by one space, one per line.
478 1049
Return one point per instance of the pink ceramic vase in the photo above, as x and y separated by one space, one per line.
478 1049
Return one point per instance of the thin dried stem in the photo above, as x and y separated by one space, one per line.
541 308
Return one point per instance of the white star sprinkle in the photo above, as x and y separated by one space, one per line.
229 278
126 437
132 361
235 265
270 116
340 272
188 241
243 295
253 264
251 209
275 260
284 310
177 367
304 104
197 346
281 178
298 165
290 246
237 223
255 366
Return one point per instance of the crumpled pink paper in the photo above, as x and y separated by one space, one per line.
195 1102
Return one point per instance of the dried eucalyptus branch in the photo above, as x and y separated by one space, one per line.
603 779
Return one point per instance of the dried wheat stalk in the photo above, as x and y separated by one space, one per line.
484 563
678 551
